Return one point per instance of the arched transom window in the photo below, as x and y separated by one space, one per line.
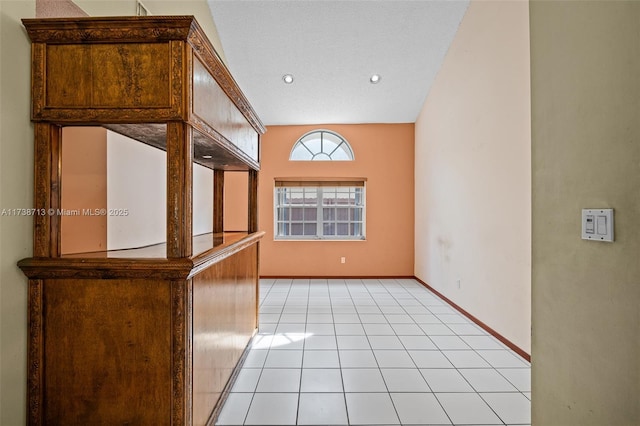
321 145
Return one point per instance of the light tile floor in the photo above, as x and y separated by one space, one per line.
371 352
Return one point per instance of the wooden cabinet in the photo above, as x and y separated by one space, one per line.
150 335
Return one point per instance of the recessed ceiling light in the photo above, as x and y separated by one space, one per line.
207 157
375 79
287 78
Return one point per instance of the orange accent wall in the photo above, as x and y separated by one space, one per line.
84 186
384 155
236 199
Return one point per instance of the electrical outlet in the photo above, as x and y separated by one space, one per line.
343 260
458 282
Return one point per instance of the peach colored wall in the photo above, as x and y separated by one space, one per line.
384 156
202 199
236 200
473 171
84 186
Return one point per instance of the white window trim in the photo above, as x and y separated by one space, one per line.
315 154
319 222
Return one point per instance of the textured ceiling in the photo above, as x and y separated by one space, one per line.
332 48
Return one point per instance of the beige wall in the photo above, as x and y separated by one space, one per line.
55 8
16 182
585 68
198 8
472 174
136 176
383 155
202 200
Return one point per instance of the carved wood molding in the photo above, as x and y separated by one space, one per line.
46 194
38 76
35 353
42 188
177 73
105 268
109 29
179 190
188 367
89 116
179 311
147 28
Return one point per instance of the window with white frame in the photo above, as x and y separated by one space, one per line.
331 210
321 145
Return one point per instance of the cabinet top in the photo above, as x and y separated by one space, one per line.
122 30
111 29
133 75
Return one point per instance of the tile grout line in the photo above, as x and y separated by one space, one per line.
303 346
395 409
344 391
457 370
454 366
446 413
268 351
253 394
462 375
377 297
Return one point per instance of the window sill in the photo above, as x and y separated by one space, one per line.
298 240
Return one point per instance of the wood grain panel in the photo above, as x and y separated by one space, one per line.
252 226
181 344
35 356
105 268
179 190
212 106
71 65
107 75
223 323
46 193
107 351
218 201
131 75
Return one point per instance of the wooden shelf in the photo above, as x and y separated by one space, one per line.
146 261
202 245
215 154
149 335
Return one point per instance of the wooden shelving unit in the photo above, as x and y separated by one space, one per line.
146 336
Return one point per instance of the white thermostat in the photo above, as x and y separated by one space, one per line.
597 224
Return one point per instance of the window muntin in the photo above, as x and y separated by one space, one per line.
319 212
321 145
